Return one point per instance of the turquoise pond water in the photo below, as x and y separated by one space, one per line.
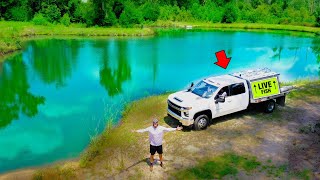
57 93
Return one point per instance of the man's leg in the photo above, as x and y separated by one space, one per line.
151 162
160 151
151 159
152 152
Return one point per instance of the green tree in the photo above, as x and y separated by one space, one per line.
276 10
150 11
17 10
317 16
99 14
130 15
85 13
72 7
110 18
297 4
230 14
51 12
186 3
256 3
19 13
247 13
117 8
262 14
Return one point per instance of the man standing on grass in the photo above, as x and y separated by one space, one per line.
155 138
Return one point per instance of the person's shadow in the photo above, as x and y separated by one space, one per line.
145 160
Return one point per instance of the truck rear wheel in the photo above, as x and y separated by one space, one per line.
201 122
269 106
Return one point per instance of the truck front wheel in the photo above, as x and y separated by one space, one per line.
270 106
201 122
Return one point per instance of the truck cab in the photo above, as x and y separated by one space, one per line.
210 98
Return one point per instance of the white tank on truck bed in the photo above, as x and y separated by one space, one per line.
263 84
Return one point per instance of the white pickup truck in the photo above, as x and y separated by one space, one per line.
221 95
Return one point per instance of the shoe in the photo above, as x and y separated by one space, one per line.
151 167
161 164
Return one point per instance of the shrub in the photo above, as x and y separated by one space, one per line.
184 15
39 19
168 12
65 20
230 14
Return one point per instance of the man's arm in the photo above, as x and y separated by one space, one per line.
172 129
141 130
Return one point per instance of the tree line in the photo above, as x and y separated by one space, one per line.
127 13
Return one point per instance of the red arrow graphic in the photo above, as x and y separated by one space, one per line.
223 61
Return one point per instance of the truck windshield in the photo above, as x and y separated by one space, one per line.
204 89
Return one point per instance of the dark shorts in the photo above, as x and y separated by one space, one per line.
154 149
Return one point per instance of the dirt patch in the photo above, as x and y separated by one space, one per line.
304 146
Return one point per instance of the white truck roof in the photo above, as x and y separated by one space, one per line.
255 74
223 80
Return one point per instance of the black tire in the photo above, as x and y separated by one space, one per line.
269 106
201 122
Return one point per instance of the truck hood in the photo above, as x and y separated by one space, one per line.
185 99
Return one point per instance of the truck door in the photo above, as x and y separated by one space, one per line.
239 97
223 108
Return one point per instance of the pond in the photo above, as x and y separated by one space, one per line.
57 93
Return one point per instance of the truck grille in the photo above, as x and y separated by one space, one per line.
174 108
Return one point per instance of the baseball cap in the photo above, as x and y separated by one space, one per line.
155 120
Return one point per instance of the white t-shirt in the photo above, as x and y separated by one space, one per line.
156 134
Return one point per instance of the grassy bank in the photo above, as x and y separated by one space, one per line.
237 26
306 90
13 35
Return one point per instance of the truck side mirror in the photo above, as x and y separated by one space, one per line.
191 85
220 100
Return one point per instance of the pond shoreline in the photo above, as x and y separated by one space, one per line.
14 35
106 156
